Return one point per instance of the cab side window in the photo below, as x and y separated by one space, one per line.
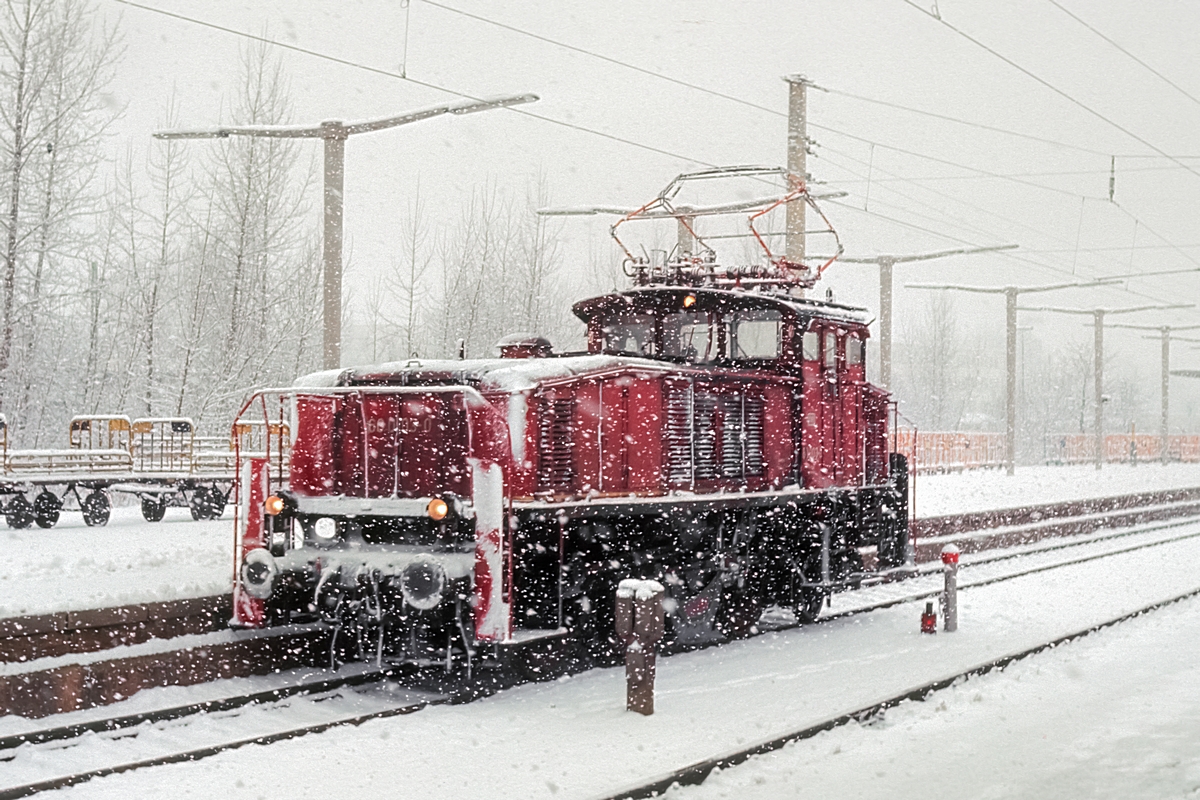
810 346
854 350
830 351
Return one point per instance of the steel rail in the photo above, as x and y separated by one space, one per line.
697 772
700 769
75 730
1023 573
204 752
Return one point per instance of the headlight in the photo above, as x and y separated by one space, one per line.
259 572
437 509
325 528
422 584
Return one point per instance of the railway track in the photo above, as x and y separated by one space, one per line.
342 699
697 772
76 675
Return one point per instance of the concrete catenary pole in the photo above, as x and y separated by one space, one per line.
334 134
1010 349
1098 316
1165 335
887 265
1098 375
797 163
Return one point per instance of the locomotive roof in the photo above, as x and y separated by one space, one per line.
502 374
803 307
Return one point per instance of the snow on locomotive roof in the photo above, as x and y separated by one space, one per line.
803 306
502 374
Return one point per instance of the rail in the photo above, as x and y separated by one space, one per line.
242 655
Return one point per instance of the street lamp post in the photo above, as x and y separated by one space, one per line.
334 134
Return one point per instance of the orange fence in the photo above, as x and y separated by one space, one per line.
950 452
1078 448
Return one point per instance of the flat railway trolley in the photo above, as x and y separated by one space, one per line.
718 435
161 461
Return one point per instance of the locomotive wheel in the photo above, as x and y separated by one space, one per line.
154 508
46 508
740 611
808 605
546 659
18 513
96 508
198 504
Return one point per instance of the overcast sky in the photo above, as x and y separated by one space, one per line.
957 185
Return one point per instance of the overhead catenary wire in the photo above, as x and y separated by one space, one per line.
1060 92
602 134
1121 49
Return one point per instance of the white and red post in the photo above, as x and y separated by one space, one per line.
250 612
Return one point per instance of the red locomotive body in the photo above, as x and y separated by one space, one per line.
722 440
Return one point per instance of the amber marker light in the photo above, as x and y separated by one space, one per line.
689 301
274 505
437 509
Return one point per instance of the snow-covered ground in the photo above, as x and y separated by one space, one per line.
72 567
984 490
1097 719
572 738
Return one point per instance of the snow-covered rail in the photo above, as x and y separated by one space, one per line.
697 772
217 725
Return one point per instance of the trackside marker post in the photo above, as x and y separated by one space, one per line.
640 623
950 595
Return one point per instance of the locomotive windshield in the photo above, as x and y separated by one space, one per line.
756 334
630 334
691 335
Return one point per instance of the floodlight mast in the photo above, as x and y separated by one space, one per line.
1098 315
1010 308
1165 332
334 133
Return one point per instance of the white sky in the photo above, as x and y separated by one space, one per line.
884 49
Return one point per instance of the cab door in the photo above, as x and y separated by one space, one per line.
821 426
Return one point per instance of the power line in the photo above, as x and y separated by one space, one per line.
1052 87
602 57
602 134
961 121
1158 74
404 77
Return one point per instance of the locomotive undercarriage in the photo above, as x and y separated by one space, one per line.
400 594
722 568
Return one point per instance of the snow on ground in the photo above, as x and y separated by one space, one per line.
572 738
1097 719
72 567
987 489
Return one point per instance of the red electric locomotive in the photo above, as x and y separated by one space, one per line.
718 435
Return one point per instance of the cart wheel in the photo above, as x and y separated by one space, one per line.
46 507
217 500
96 508
198 504
154 508
18 513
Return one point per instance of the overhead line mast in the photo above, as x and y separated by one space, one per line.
334 134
